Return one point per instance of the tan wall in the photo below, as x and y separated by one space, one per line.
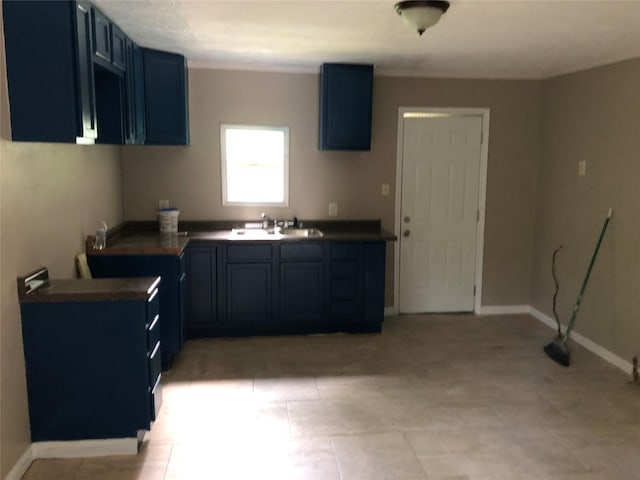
190 176
51 197
592 116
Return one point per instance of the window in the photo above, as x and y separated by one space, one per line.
255 165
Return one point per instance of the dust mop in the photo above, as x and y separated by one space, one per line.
558 349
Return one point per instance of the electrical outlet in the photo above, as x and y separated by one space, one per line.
333 209
385 189
163 204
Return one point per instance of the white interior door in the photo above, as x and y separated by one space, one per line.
441 158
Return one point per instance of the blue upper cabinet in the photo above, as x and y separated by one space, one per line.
346 94
109 42
75 77
166 98
50 71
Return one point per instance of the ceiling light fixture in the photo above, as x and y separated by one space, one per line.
421 14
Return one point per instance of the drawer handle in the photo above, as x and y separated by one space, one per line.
157 384
155 351
153 295
153 324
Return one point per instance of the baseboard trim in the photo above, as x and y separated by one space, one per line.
85 448
590 345
388 311
22 465
72 449
504 309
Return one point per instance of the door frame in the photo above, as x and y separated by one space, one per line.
482 191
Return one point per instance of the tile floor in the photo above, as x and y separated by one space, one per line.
436 397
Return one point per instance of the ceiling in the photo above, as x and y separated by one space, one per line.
529 39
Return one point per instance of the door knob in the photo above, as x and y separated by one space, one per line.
405 233
406 219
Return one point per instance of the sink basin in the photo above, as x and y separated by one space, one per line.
273 233
255 233
301 232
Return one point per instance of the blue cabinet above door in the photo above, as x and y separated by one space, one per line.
346 95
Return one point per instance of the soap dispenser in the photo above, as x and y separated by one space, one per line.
101 237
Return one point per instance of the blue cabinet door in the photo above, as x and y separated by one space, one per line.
109 41
166 98
249 295
50 71
346 94
118 48
301 295
101 35
134 95
202 296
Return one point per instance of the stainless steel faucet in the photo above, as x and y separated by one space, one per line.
265 220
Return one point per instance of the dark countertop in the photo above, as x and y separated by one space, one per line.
95 290
134 238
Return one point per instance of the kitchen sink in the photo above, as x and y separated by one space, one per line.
255 233
301 232
274 233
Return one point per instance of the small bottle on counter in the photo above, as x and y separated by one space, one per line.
101 237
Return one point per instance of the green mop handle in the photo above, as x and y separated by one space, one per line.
586 278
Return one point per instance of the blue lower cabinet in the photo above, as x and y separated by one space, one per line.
284 288
171 269
91 370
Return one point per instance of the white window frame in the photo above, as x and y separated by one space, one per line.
223 161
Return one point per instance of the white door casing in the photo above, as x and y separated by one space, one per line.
440 209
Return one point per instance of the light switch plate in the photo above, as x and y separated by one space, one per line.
333 209
385 189
582 168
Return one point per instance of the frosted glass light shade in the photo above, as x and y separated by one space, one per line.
421 15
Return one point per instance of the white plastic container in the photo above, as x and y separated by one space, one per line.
168 220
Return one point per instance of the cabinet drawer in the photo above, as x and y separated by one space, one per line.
182 265
153 332
155 364
156 397
248 253
153 307
340 251
346 269
309 251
